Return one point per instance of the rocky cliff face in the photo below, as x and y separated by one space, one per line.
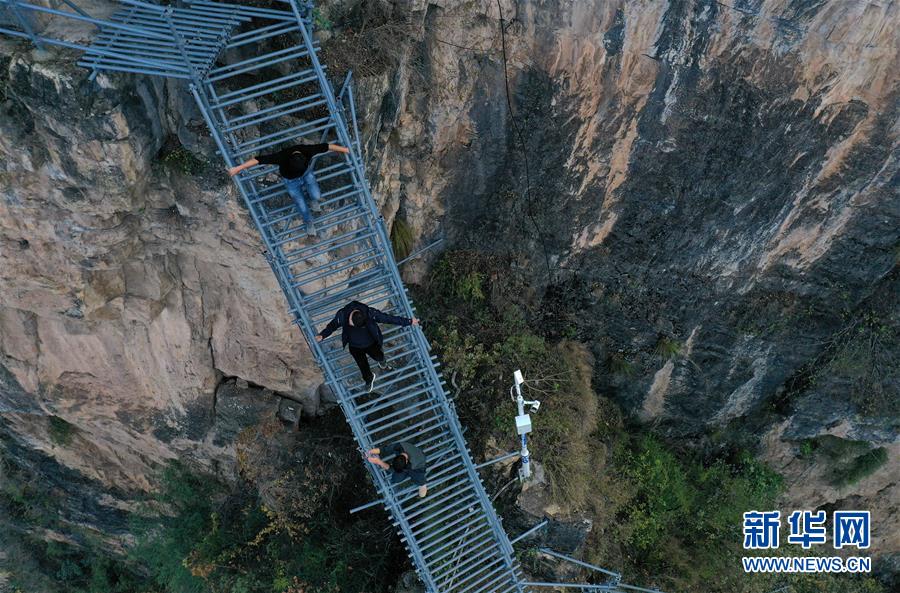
707 191
131 293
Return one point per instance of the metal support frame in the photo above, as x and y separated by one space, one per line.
531 531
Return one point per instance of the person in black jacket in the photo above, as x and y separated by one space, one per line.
293 166
408 462
359 329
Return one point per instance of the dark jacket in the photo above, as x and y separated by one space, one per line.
341 319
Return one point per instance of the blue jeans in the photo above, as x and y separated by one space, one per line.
302 189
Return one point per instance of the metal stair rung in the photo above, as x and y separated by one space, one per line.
410 370
305 251
257 35
275 112
450 462
436 430
190 36
269 13
257 62
347 266
253 175
261 89
277 189
513 586
452 539
211 20
376 428
446 475
460 487
469 499
311 274
448 535
439 566
484 578
135 56
440 532
448 550
417 390
123 39
285 236
453 515
382 301
329 248
289 134
408 432
203 39
351 374
414 409
321 304
291 215
453 482
448 470
151 22
473 555
443 512
313 296
123 65
434 445
273 139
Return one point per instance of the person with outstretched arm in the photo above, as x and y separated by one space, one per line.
299 180
359 329
408 462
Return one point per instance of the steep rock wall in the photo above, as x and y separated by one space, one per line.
709 190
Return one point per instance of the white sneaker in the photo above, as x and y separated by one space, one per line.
311 230
316 206
371 384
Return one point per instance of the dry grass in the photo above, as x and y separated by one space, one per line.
566 426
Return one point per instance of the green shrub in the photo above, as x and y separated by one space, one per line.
667 348
321 20
402 239
60 431
681 515
806 448
860 467
458 279
179 158
198 535
836 448
619 365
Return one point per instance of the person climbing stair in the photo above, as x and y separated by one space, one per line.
299 180
359 329
408 462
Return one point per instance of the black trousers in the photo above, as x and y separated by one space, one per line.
359 355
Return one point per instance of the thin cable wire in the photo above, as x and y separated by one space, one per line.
524 149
